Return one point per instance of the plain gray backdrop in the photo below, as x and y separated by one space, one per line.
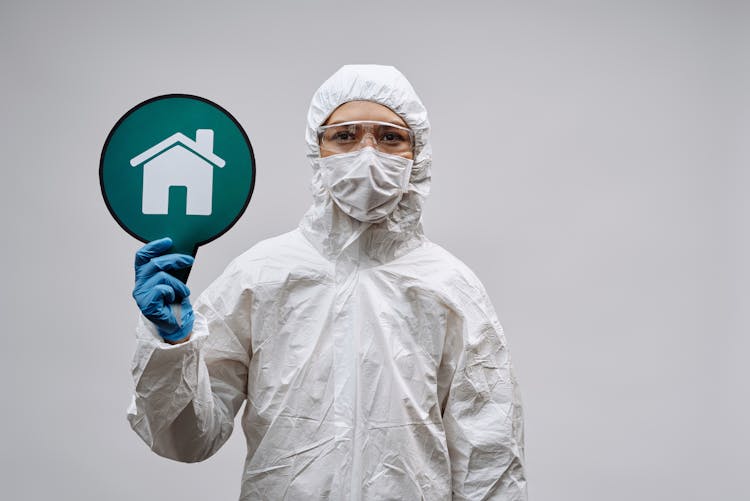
590 165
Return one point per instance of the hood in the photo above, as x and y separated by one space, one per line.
329 229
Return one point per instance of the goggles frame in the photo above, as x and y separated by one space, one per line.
321 130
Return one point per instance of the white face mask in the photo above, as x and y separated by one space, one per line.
366 184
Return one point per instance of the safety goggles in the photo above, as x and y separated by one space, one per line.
352 136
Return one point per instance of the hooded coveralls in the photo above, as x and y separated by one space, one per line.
370 359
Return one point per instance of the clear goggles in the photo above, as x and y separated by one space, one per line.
352 136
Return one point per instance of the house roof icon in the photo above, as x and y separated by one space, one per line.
202 147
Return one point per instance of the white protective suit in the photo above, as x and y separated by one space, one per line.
370 359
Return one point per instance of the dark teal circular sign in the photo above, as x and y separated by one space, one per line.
177 166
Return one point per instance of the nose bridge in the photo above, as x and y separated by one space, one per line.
368 131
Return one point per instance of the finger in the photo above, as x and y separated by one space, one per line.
156 307
163 278
186 305
167 262
151 250
171 262
187 313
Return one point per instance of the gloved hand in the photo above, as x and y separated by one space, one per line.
158 294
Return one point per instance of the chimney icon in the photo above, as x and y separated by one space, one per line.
204 141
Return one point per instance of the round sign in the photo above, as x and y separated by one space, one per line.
177 166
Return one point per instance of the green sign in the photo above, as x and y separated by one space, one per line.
177 166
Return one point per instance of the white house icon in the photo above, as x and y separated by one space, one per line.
179 161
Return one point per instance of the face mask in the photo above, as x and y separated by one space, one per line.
366 184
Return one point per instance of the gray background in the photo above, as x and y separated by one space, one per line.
590 165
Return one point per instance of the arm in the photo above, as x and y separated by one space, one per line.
187 394
482 411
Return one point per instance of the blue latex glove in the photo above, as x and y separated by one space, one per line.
158 294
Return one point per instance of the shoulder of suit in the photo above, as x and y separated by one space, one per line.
434 264
273 258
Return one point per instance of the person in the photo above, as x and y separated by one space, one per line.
370 360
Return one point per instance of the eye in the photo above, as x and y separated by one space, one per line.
393 136
340 135
343 136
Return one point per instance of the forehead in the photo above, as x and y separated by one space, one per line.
364 110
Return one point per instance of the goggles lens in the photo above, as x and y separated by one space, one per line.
351 136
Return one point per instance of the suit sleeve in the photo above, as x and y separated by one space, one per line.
482 409
187 395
